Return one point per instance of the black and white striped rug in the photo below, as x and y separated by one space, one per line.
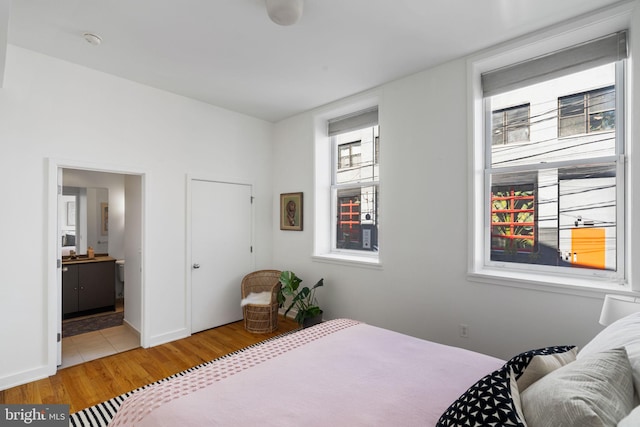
101 414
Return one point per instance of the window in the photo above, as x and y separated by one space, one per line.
587 112
355 182
553 203
349 155
510 125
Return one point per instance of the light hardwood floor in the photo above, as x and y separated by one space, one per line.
92 382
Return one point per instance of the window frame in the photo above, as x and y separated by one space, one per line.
324 160
539 278
598 277
360 185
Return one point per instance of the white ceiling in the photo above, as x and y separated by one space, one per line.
228 53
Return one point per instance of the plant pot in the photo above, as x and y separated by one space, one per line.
310 321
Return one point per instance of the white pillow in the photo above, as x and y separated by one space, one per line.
631 420
595 391
622 333
542 365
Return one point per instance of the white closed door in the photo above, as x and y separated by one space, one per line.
220 252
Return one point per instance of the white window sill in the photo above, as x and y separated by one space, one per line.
348 259
581 286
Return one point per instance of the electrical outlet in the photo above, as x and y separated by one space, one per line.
464 330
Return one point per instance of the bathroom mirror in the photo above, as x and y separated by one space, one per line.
84 220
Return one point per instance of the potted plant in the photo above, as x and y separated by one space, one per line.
304 300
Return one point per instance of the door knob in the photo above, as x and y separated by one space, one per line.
196 266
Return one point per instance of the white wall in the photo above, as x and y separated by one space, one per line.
54 109
422 288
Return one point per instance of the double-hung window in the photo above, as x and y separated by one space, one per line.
553 164
355 182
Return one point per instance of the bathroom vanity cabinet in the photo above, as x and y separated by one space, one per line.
88 285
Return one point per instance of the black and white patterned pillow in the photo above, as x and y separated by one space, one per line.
493 399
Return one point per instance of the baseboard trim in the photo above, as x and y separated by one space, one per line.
168 337
130 326
24 377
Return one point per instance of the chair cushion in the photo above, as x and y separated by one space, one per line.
261 298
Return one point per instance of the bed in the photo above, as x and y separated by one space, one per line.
340 372
347 373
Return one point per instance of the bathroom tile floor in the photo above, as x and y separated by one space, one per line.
94 345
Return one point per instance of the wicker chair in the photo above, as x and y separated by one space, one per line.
260 318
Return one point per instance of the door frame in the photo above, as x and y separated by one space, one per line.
54 272
188 261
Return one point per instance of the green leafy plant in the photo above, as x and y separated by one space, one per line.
303 299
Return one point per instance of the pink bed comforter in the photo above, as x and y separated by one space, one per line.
339 373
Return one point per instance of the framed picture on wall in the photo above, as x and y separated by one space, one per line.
104 219
291 211
71 213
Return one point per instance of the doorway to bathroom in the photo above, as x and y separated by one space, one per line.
91 234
